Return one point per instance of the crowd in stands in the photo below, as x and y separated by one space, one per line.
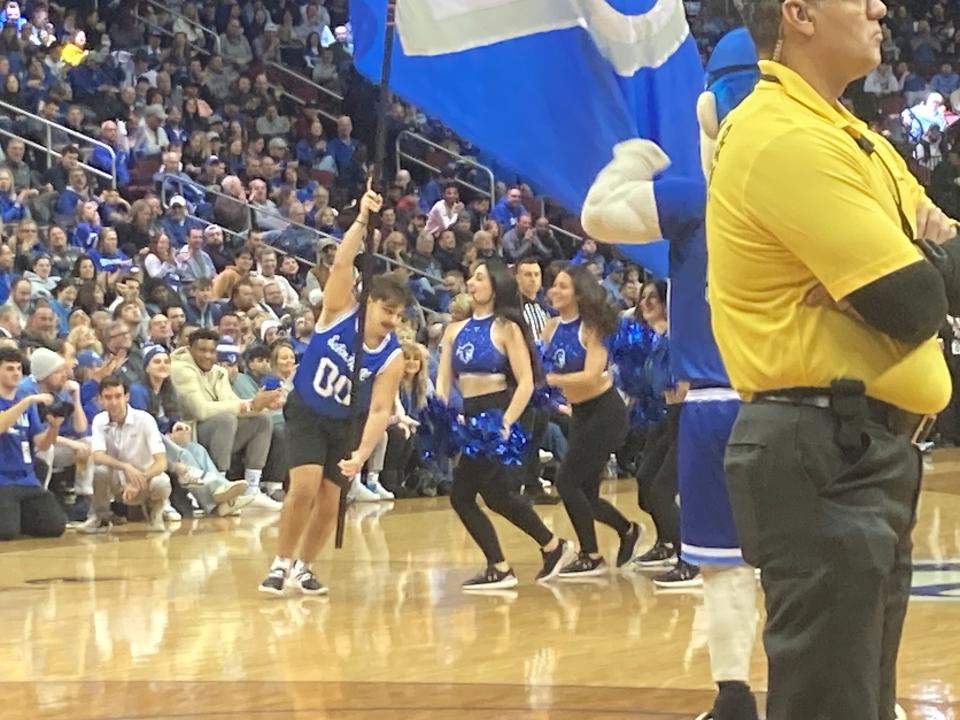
161 283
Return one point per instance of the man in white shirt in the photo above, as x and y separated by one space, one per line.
444 213
153 138
130 460
267 260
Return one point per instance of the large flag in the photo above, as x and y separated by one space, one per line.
548 87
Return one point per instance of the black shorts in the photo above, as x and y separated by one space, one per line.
314 439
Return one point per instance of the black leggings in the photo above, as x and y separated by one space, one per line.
597 428
492 481
29 510
657 477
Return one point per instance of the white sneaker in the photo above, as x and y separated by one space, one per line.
361 493
545 456
191 476
264 502
153 519
901 714
233 508
230 490
170 514
94 525
380 490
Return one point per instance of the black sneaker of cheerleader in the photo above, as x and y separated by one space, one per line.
661 555
628 543
584 566
554 560
734 701
683 576
492 579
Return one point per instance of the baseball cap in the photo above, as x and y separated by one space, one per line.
178 201
89 359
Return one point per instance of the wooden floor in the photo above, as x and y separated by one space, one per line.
138 626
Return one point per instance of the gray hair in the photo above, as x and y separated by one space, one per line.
762 18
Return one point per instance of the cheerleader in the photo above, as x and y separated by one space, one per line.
490 355
577 364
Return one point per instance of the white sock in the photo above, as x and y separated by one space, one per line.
355 482
729 597
281 562
373 478
253 478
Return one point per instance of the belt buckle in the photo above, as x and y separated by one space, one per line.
923 429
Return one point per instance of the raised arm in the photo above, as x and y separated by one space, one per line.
338 292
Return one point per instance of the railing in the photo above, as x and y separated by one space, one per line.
52 127
300 78
168 33
255 211
458 159
192 23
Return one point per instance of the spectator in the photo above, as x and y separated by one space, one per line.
946 82
76 193
881 81
13 206
130 460
86 232
444 212
24 177
588 254
118 160
230 210
266 215
19 300
160 262
26 508
271 124
225 425
508 209
153 138
342 147
267 261
41 282
193 261
234 46
55 179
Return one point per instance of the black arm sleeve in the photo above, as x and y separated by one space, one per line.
946 259
909 305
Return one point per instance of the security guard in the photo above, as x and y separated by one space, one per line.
830 273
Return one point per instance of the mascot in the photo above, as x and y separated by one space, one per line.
630 200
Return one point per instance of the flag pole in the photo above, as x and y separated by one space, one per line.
378 174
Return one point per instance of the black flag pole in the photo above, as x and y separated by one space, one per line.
378 174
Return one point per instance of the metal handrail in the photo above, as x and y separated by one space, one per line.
193 23
254 210
304 79
557 228
459 159
169 33
51 126
37 146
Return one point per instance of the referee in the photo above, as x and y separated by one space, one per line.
830 274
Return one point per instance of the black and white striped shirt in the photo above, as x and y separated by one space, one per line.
535 317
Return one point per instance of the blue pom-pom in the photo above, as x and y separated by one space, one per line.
439 430
547 397
443 435
641 358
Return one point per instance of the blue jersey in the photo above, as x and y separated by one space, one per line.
565 353
323 377
474 352
694 356
16 446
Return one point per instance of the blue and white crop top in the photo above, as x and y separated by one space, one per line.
565 353
323 377
474 352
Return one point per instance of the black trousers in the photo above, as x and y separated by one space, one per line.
657 477
534 422
29 510
492 481
831 532
598 427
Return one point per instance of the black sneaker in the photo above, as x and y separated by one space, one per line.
584 566
734 700
661 555
492 579
303 579
683 576
273 583
562 555
628 543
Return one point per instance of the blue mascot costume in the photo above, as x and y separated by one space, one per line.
631 202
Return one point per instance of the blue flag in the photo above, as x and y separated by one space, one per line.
547 87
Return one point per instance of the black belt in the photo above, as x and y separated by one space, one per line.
916 427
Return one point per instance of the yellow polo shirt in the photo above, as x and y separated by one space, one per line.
794 201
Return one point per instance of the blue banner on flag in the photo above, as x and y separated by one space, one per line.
548 87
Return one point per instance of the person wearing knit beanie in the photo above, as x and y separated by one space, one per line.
44 362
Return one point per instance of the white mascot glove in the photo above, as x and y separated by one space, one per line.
621 206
